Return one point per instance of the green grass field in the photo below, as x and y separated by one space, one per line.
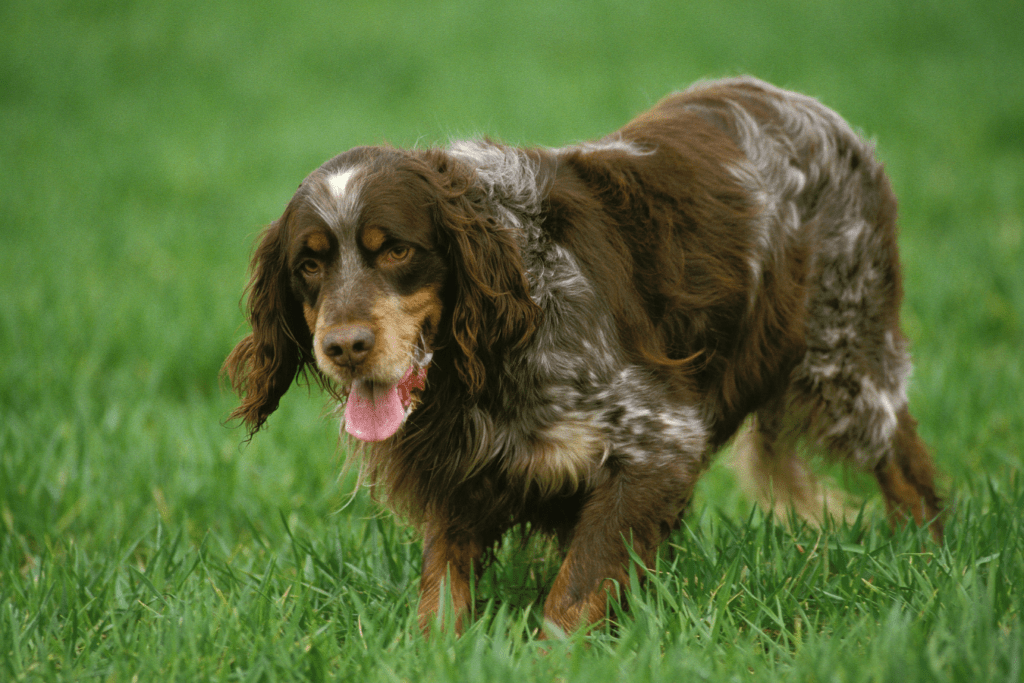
145 144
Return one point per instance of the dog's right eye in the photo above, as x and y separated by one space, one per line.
309 268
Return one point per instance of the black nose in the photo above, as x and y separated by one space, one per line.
348 344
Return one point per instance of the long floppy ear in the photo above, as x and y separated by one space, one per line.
491 308
263 365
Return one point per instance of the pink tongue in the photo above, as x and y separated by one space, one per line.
376 417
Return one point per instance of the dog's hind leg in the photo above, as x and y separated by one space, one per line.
770 470
906 476
858 414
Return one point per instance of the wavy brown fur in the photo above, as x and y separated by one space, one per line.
263 365
491 307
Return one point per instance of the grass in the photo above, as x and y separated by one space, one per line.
144 146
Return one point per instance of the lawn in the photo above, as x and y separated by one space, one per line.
145 144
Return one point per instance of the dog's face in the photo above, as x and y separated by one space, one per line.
381 258
363 261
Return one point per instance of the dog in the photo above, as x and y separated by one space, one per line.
561 339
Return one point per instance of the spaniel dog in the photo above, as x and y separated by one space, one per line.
563 338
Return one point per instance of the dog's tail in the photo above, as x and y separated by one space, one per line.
782 482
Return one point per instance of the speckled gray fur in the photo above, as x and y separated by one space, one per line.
819 181
576 367
846 391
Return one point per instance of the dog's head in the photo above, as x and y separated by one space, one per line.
382 259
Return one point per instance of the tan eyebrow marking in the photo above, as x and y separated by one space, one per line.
318 242
373 238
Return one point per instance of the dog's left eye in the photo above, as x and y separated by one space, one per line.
397 255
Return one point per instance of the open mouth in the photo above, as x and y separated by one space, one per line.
376 410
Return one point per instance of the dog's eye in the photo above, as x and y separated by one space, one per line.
397 255
309 268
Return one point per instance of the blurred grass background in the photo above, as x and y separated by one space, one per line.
145 144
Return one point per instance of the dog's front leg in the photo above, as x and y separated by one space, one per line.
448 565
632 509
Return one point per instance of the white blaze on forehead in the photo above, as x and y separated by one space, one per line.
335 196
339 182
